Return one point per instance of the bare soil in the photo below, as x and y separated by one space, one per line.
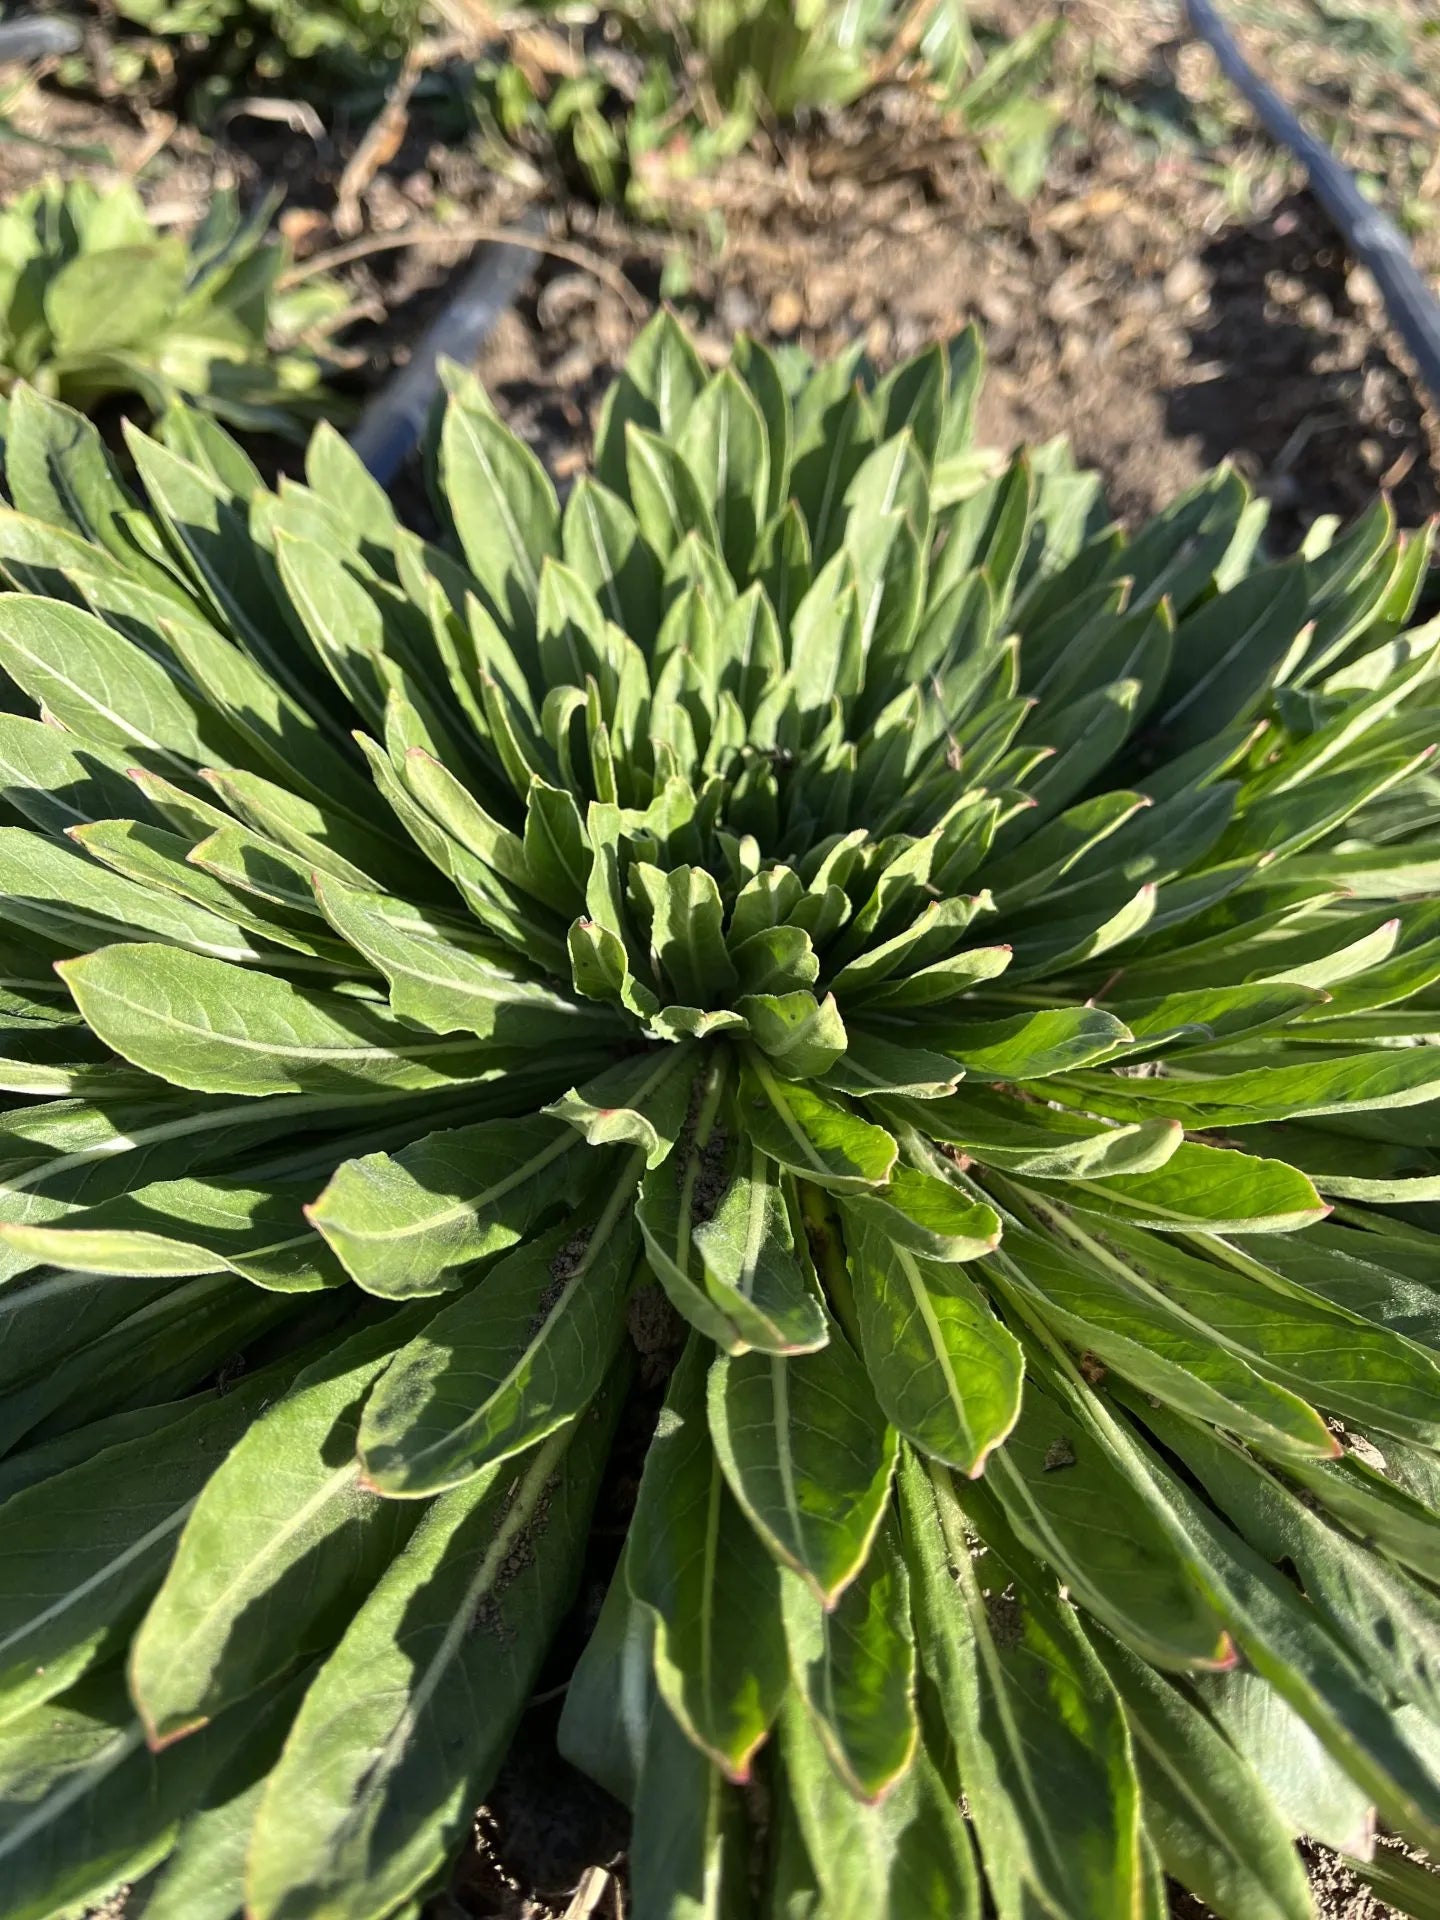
1117 310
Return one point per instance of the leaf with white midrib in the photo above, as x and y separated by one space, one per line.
279 1539
855 1667
1217 1830
747 1260
59 892
1102 1309
88 1806
807 1454
402 1223
510 1360
695 1564
815 1137
187 1226
405 1726
70 1586
202 1023
943 1367
1051 1793
55 652
1073 1507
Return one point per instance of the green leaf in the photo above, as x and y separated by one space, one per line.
657 387
114 297
642 1102
504 510
203 1877
1214 1189
344 624
403 1223
1041 1142
800 1036
329 840
910 1854
1406 1883
89 1750
872 1067
1390 1624
1372 1505
1083 740
83 1550
1349 1366
1286 1641
697 1565
1031 1045
807 1454
688 1844
1229 651
443 979
666 496
685 933
337 474
760 371
855 1668
509 1361
104 689
57 784
59 471
944 1369
1348 1083
202 1023
1043 1751
688 1847
1217 1830
601 542
208 533
608 1704
406 1724
1206 1017
177 1228
926 1214
56 891
1075 1511
1307 1786
1107 1310
834 432
817 1138
725 446
746 1251
281 1545
153 858
556 852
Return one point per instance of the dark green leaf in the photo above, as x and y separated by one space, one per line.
698 1566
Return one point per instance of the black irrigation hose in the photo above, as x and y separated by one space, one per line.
38 39
395 419
1370 236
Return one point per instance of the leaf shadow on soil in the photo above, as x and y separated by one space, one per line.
1296 382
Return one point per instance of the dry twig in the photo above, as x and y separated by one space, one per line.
468 233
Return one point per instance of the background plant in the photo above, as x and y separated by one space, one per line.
274 32
94 301
705 77
953 986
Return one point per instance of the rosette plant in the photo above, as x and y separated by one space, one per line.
942 990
